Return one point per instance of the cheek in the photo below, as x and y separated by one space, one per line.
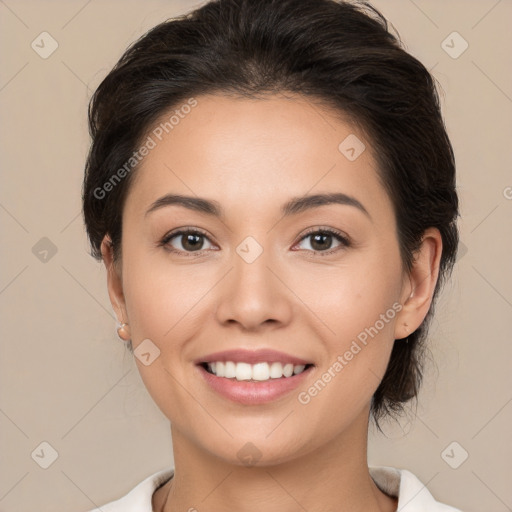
357 355
159 295
162 304
358 305
349 298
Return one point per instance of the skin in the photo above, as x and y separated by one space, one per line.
252 156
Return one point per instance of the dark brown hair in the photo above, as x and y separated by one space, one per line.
340 53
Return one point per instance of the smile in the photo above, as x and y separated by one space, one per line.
253 377
259 372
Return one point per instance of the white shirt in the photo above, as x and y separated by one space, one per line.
412 495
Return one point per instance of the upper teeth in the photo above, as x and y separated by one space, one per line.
258 371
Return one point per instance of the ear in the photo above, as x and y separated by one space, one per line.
114 281
419 286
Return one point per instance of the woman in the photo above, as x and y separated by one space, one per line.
272 190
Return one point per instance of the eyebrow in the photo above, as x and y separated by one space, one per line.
292 207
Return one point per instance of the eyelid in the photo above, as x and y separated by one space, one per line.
180 232
344 240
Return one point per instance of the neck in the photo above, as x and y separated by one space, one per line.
333 476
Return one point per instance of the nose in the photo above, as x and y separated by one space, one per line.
254 294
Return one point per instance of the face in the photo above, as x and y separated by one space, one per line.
320 283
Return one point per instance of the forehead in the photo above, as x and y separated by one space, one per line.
256 153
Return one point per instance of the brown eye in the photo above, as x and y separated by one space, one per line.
185 241
322 240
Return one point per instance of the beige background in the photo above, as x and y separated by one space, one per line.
66 379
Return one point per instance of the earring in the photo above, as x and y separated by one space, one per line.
123 332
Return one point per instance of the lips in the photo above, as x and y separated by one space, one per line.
264 384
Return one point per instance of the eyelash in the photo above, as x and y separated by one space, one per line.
345 242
